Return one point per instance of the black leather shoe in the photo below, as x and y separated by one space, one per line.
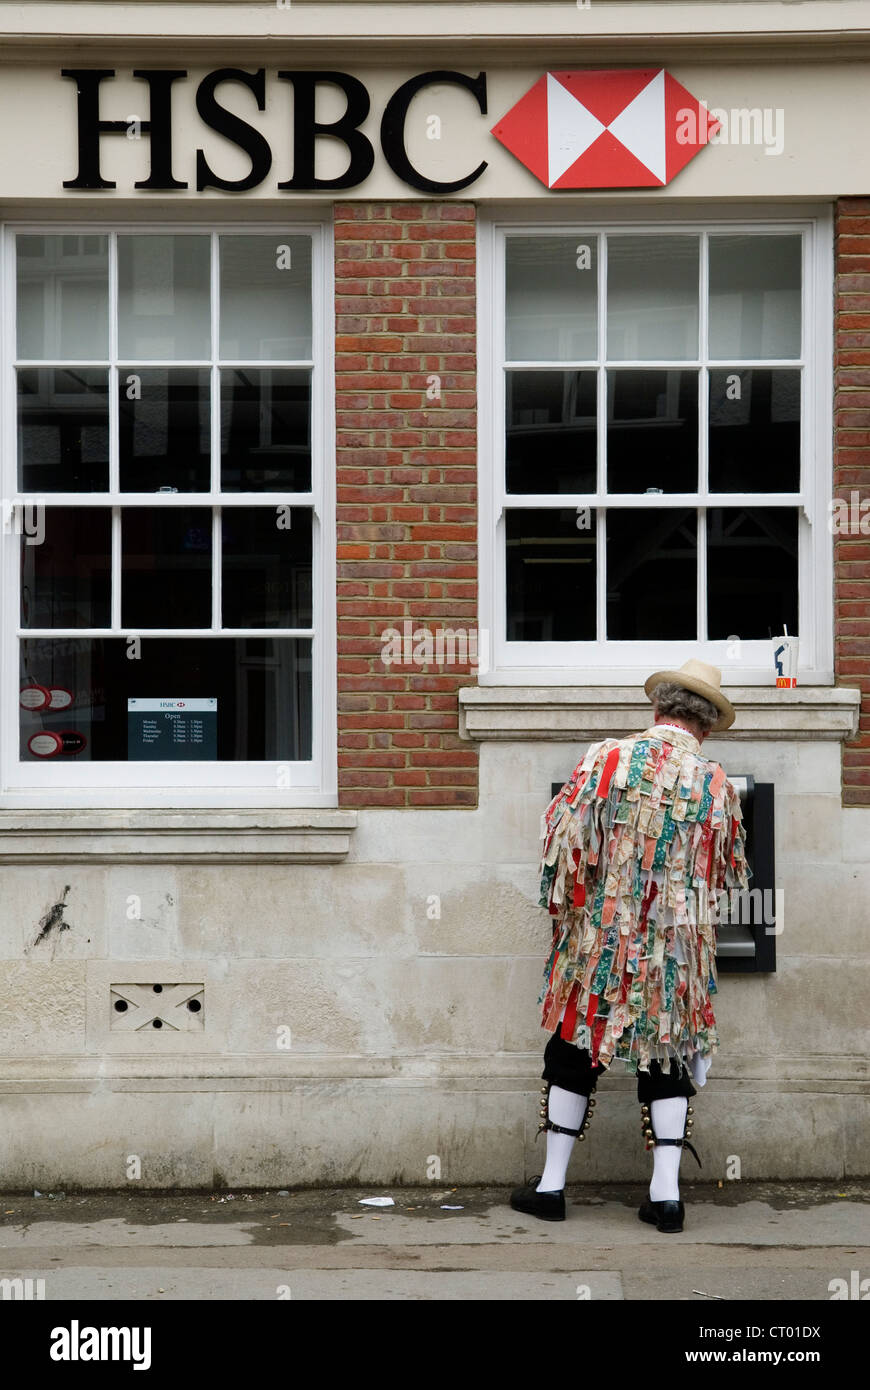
549 1206
666 1216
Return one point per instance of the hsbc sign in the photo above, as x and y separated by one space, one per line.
616 129
621 128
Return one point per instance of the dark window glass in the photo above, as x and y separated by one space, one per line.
266 566
165 429
550 568
165 567
265 430
66 575
261 686
63 429
755 430
652 574
752 571
551 445
652 430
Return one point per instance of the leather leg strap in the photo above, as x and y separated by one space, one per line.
547 1123
681 1144
560 1129
652 1139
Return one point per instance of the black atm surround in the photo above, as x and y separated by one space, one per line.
748 946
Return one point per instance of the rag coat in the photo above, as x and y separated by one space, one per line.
637 847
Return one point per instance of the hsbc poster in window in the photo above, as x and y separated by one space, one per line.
162 729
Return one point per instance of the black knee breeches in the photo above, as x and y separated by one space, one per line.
570 1067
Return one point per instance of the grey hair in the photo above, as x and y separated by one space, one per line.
674 700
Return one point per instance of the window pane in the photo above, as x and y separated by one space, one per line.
66 576
265 430
550 567
651 575
652 431
63 429
164 429
752 571
63 296
551 311
755 430
550 430
652 297
265 297
266 566
165 567
755 296
163 297
261 688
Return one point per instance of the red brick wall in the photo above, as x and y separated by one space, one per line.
852 474
406 494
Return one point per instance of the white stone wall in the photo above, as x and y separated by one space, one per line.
410 1037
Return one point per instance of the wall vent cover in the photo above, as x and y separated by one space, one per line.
159 1007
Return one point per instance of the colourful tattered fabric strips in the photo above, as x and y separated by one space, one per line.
637 846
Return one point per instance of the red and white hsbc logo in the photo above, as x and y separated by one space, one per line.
606 129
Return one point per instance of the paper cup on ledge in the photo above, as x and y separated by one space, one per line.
785 661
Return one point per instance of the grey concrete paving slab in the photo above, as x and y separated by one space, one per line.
754 1242
614 1224
162 1283
707 1283
117 1231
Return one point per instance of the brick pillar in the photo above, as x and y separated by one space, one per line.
852 476
406 495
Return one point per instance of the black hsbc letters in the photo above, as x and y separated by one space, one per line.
255 145
307 130
91 127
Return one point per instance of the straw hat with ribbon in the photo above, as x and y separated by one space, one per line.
701 679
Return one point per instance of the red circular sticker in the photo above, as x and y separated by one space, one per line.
59 697
45 744
34 697
72 741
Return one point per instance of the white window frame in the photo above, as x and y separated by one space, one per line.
280 783
623 663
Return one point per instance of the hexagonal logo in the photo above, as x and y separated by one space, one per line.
619 128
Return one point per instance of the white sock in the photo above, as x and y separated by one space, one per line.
563 1108
668 1122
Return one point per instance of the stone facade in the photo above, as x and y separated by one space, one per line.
351 1033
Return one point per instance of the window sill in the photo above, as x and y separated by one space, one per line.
175 837
574 713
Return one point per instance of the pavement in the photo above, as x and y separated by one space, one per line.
753 1241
